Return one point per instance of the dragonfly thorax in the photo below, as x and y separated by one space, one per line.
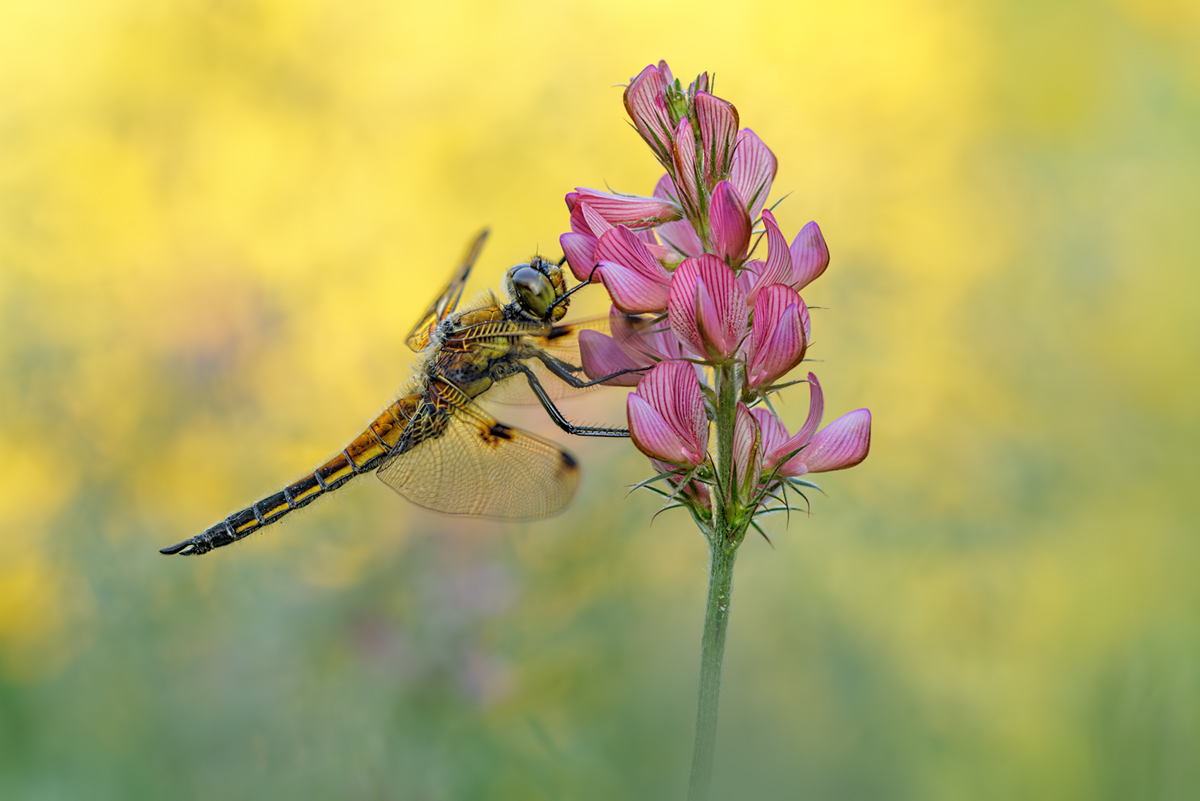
535 289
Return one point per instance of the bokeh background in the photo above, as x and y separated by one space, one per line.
218 221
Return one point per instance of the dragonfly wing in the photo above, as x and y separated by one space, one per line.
461 461
448 299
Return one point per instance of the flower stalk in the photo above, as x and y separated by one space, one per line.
712 655
713 331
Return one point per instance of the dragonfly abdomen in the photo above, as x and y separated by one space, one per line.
361 456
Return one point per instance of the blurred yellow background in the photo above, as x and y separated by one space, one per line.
218 221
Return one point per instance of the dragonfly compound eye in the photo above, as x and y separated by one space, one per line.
532 289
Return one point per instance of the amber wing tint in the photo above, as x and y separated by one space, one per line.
464 462
447 300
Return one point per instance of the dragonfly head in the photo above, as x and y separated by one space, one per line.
536 288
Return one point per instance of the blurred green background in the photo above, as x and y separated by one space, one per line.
218 221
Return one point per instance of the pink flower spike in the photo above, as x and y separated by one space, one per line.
667 419
679 235
629 210
635 280
753 171
718 123
843 443
810 256
729 223
747 453
706 307
777 340
684 165
646 104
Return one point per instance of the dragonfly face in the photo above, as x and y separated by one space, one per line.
435 445
538 289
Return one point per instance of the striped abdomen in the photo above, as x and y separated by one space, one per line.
361 456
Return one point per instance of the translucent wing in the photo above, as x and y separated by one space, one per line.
461 461
447 301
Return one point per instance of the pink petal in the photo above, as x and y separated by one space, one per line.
684 164
843 443
620 245
816 410
651 433
783 350
665 189
707 308
602 355
718 123
672 391
681 305
754 167
578 224
647 235
778 267
633 277
630 290
630 210
593 220
689 407
580 250
646 341
747 452
729 326
679 235
748 278
787 448
773 432
646 104
810 256
730 224
777 341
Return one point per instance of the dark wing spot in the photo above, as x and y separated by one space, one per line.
500 431
568 460
559 331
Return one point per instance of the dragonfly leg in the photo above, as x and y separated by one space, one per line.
567 372
557 416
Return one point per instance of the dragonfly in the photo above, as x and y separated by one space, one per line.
435 445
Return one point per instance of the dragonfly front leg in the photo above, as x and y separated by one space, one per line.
557 416
567 372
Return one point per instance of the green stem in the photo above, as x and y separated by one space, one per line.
712 652
722 545
726 418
